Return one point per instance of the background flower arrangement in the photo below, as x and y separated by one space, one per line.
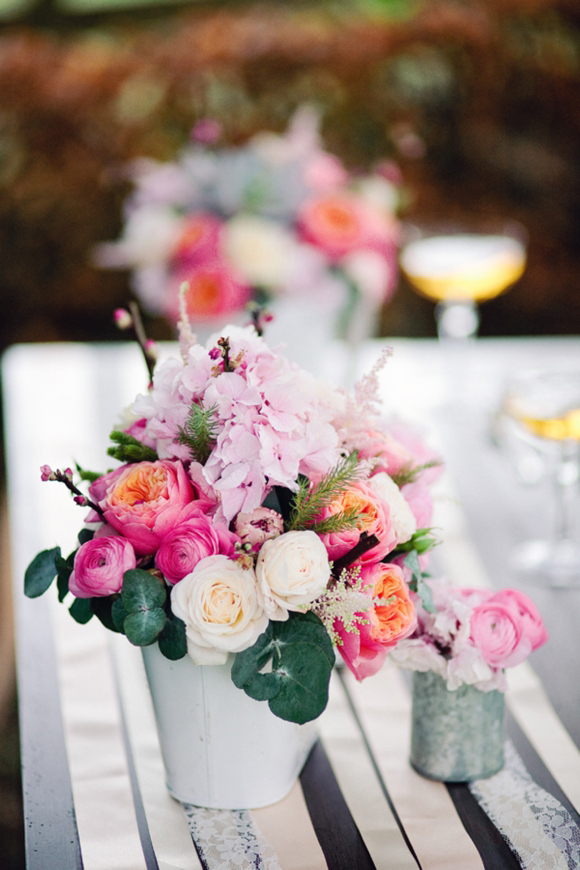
255 511
472 635
278 216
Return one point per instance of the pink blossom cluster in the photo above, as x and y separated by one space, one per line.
280 215
206 524
473 635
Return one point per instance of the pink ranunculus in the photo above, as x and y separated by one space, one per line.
498 631
145 500
374 519
99 566
189 542
532 622
258 526
391 617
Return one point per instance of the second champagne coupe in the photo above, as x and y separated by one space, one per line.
459 268
543 409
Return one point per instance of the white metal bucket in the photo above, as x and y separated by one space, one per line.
221 749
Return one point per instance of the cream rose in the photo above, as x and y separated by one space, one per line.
292 570
402 518
220 604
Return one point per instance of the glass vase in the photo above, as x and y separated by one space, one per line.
455 736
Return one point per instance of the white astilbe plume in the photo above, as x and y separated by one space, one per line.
345 601
366 390
187 337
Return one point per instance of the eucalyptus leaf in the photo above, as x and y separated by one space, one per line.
85 535
102 608
64 569
41 572
118 614
417 583
144 626
304 671
250 661
263 687
142 591
172 640
81 610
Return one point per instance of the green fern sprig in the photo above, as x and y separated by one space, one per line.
129 449
200 432
341 522
409 473
308 503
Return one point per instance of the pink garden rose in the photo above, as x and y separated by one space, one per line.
374 519
391 455
418 497
498 631
99 566
189 542
145 500
199 239
391 617
213 290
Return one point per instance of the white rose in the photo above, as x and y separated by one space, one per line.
259 248
292 570
220 604
402 518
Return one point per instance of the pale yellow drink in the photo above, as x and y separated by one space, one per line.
558 428
463 266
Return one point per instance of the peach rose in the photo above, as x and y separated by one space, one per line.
144 500
374 519
391 617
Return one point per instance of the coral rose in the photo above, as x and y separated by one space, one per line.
374 519
221 608
144 500
390 618
99 566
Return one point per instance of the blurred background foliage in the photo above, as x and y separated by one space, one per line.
476 100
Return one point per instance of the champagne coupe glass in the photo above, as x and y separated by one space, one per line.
542 407
460 265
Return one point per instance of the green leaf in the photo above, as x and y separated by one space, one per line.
143 596
144 626
129 449
118 614
81 610
102 608
172 640
87 475
304 673
250 661
302 657
417 584
41 572
64 569
85 535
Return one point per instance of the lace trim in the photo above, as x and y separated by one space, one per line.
229 840
538 829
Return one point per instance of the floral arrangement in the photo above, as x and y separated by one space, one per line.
255 511
471 636
277 216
